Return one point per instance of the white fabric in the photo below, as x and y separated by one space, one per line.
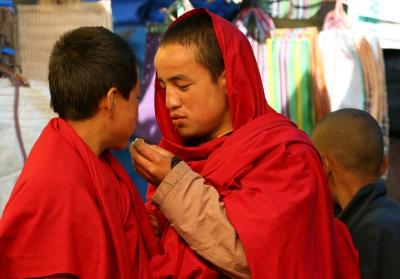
34 113
378 18
342 69
40 26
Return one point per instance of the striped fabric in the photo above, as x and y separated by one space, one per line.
292 75
258 27
293 84
293 9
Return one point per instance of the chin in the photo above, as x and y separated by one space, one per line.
121 146
187 135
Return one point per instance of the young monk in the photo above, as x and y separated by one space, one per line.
350 142
74 213
236 188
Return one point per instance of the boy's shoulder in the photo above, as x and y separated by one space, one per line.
53 162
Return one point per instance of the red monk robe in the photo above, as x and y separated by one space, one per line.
74 213
269 177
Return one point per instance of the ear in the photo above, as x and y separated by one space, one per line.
222 82
384 165
108 102
325 165
328 164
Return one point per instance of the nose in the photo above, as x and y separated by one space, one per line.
172 98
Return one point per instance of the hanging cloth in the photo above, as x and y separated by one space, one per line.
342 69
258 27
294 81
293 9
354 69
371 58
342 66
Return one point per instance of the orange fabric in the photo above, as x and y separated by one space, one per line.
269 177
74 213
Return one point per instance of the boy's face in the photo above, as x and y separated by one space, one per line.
124 118
197 105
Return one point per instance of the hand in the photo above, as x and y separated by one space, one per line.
150 161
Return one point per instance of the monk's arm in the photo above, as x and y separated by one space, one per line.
198 216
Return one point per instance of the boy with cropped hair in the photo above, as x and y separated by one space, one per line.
74 213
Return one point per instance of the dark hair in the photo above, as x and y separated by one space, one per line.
198 30
353 137
84 64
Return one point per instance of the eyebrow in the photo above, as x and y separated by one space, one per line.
175 78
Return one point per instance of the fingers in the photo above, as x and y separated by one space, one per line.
150 161
139 143
161 150
139 146
146 174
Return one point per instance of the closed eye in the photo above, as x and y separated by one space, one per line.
183 87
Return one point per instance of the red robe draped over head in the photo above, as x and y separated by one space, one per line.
72 212
269 177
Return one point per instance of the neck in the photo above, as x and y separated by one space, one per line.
347 185
89 130
197 141
225 133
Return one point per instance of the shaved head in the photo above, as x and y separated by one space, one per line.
353 138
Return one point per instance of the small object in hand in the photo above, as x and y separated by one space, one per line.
174 161
134 143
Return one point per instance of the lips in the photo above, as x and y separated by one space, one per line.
177 120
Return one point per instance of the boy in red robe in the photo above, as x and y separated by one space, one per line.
74 213
236 188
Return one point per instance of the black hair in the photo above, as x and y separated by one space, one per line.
84 64
353 137
197 30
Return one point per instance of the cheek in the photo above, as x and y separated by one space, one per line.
134 108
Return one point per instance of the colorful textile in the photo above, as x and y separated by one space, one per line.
293 9
290 67
258 27
295 87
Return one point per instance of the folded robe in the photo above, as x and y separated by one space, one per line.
269 177
72 212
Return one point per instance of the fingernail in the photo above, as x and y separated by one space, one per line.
138 141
